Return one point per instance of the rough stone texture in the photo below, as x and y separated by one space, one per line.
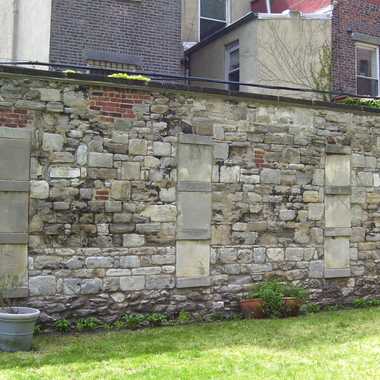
102 240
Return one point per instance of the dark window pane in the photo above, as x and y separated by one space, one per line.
214 9
234 60
369 87
366 62
209 27
234 77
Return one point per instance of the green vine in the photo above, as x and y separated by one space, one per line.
129 77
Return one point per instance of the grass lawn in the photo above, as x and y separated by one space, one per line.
330 345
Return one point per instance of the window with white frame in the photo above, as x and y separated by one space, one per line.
214 15
233 65
367 70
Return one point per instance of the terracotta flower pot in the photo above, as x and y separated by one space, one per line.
253 308
292 306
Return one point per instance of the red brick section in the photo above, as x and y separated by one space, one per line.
15 118
102 194
116 103
259 158
361 16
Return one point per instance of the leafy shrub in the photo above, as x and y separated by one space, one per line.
184 316
294 291
361 303
157 319
62 325
37 329
311 308
87 324
119 325
365 102
130 77
272 293
133 321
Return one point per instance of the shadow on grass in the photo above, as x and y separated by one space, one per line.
297 335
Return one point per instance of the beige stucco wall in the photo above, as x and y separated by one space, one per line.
26 32
289 52
210 61
190 17
6 29
280 52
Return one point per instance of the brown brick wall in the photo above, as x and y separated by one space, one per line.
361 16
14 118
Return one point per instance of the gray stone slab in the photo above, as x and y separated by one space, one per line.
193 259
337 273
14 212
338 211
196 282
17 186
13 264
337 253
338 170
14 159
338 190
16 293
194 234
331 232
195 163
190 186
15 133
338 149
13 238
194 214
195 139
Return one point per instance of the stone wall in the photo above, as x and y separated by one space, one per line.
104 234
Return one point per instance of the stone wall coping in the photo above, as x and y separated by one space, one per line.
97 80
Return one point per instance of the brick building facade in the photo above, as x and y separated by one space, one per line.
145 33
355 26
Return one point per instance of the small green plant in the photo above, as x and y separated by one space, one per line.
184 316
62 325
157 319
311 308
87 324
119 325
37 329
69 71
361 303
332 307
133 321
365 102
294 291
272 293
130 77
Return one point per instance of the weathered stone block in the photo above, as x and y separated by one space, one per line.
338 211
138 147
275 254
99 262
121 190
100 160
229 174
162 149
160 213
130 262
42 286
64 172
132 283
294 254
315 211
50 95
311 197
91 286
133 240
52 142
271 176
338 170
39 189
160 282
130 170
193 259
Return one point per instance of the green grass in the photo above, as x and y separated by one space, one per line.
329 345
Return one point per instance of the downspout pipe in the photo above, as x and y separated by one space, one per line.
15 28
269 8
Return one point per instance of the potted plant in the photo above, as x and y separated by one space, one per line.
264 300
16 323
294 298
